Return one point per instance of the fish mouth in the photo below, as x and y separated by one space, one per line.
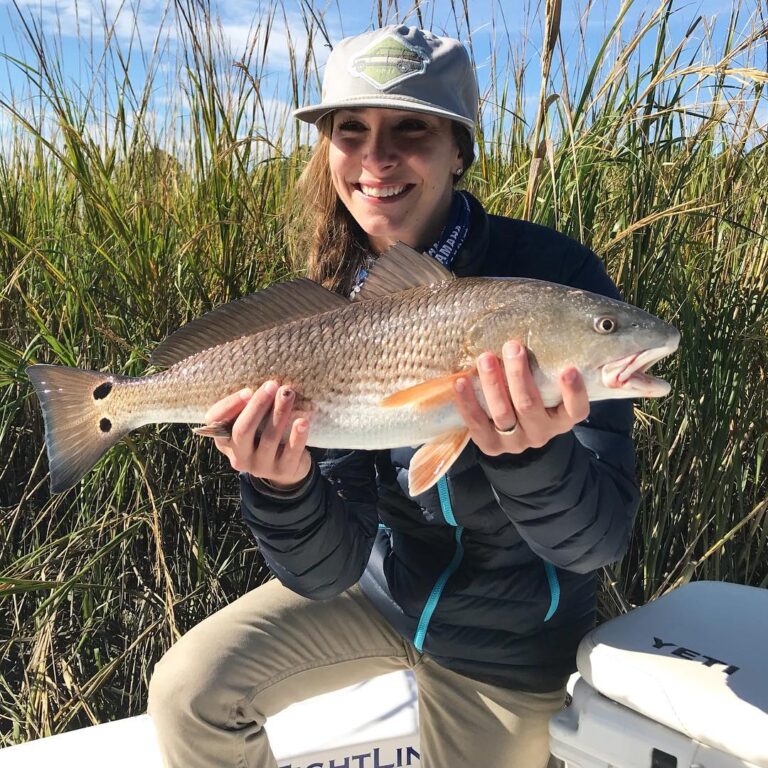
629 373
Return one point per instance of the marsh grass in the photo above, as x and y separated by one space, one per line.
118 224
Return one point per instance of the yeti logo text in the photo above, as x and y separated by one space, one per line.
687 653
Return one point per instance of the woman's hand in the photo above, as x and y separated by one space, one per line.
519 420
270 407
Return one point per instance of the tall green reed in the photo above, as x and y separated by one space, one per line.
118 223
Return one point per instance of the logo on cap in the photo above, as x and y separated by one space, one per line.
388 61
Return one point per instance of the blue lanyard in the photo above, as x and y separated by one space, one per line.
454 232
445 248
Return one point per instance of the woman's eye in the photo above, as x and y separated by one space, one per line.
413 125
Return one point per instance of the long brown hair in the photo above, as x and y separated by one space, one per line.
329 241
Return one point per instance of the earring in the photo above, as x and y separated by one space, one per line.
459 172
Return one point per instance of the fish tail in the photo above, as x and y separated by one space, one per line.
78 427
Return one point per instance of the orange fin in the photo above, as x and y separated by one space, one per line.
434 459
214 429
428 394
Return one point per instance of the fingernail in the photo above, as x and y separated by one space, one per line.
460 385
486 363
570 376
270 387
287 393
302 427
245 393
512 349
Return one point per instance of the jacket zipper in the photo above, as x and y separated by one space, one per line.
458 554
439 586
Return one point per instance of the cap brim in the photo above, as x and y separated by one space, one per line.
313 113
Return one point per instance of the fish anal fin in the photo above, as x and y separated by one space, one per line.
428 394
434 459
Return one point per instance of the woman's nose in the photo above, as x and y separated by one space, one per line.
380 150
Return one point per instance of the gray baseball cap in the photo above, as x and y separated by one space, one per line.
399 67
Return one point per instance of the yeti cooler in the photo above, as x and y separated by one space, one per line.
679 683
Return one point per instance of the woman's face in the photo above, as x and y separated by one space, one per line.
393 170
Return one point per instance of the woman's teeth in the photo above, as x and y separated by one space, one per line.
382 191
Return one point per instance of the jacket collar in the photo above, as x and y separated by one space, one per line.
470 258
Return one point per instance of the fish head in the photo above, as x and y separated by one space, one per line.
611 343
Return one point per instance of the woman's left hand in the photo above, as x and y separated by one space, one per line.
518 418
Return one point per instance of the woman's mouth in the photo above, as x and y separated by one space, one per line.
383 193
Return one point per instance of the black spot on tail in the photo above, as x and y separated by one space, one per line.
102 391
105 425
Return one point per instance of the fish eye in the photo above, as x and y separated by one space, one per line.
605 325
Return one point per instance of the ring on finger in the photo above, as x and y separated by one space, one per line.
510 431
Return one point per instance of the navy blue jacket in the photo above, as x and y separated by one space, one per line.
492 571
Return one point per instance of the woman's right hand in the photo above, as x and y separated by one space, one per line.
282 465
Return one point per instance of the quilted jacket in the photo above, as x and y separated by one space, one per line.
492 571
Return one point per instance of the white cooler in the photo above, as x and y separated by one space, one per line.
370 725
681 682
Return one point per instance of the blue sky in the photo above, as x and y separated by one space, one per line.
74 31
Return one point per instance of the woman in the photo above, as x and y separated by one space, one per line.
483 585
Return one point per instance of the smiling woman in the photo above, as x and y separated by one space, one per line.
337 246
482 583
394 173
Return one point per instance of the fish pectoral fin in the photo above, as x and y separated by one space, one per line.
214 429
434 459
428 394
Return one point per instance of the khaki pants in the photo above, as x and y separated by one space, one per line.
213 691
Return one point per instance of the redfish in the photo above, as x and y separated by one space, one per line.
373 373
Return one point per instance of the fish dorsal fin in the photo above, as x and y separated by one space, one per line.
399 268
280 303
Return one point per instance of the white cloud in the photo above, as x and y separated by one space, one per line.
82 18
285 37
